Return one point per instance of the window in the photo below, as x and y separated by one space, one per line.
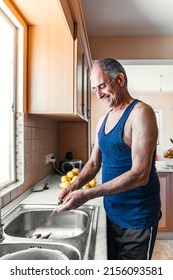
158 118
7 99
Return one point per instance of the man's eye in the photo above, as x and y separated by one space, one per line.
102 86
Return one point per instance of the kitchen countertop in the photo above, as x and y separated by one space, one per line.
162 167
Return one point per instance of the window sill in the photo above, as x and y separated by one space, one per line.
11 192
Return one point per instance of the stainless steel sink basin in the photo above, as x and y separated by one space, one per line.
38 223
26 225
8 249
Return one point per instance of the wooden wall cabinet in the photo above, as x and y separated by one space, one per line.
59 62
166 181
58 67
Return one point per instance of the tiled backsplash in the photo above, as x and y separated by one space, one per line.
40 138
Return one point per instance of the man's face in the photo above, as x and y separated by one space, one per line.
106 90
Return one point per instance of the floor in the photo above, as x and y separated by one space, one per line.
163 250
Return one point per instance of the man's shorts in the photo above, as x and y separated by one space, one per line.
130 244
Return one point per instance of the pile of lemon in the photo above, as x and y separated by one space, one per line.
70 177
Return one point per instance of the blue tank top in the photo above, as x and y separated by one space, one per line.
137 208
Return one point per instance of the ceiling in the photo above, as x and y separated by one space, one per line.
128 17
135 18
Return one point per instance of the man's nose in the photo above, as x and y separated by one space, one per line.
98 92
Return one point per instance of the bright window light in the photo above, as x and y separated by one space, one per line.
7 100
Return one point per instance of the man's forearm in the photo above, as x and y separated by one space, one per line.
88 172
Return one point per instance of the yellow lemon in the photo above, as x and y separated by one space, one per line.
61 185
86 186
70 174
64 178
93 183
65 184
74 178
76 171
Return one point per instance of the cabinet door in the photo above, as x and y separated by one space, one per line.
82 89
79 78
50 72
86 89
165 192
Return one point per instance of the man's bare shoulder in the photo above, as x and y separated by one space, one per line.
143 115
142 108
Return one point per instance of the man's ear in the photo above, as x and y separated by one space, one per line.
120 79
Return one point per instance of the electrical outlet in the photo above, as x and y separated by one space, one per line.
48 158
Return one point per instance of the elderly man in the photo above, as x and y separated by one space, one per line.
125 147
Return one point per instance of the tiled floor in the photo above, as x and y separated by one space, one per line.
163 250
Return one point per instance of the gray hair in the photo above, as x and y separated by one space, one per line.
112 67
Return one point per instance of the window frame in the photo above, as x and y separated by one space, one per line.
20 87
12 103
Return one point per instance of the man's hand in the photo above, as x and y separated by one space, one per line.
73 199
66 191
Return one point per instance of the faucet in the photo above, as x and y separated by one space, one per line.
1 225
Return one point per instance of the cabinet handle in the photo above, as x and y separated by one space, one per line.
88 113
83 109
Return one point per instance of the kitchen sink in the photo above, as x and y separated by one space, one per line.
63 251
40 224
29 225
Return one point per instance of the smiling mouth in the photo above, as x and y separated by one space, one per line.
105 97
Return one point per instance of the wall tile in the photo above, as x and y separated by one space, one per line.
6 199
